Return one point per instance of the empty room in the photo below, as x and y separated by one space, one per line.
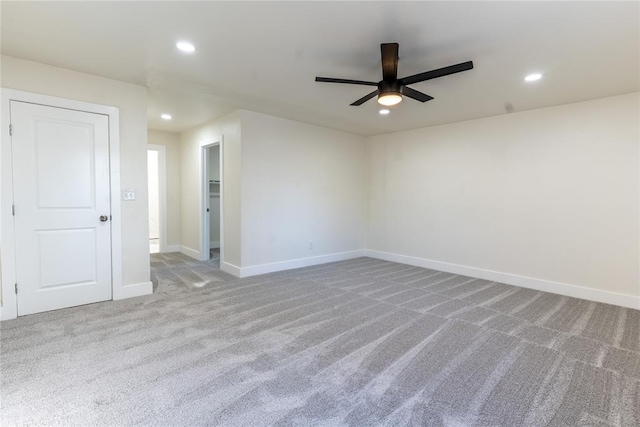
320 213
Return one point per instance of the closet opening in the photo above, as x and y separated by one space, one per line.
211 241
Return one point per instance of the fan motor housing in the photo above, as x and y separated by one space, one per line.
385 87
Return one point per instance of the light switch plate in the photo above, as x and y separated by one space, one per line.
129 194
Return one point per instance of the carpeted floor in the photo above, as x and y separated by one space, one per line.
214 257
361 342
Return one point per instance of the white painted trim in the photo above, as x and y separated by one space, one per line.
190 252
233 270
575 291
116 208
172 248
162 192
204 196
214 245
136 290
222 193
7 238
255 270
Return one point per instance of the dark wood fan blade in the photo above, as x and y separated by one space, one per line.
365 98
389 52
440 72
351 82
415 94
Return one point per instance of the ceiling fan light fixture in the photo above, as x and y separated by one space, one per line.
389 99
392 89
389 93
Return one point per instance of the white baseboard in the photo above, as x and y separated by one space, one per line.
190 252
233 270
214 245
135 290
255 270
8 314
128 291
575 291
171 248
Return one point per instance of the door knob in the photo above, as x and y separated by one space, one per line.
103 218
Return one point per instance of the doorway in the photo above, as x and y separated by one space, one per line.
57 182
212 191
157 183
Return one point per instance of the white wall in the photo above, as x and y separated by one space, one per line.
172 144
131 100
548 194
190 144
300 183
287 184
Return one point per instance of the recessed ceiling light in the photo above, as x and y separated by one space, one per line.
166 116
533 77
186 47
384 111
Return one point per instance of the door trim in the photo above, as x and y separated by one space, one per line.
204 195
162 192
9 308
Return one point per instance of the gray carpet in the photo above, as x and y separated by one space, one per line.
214 257
361 342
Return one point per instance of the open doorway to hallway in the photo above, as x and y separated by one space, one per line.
154 206
156 169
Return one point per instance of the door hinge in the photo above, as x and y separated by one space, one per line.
10 129
13 210
16 288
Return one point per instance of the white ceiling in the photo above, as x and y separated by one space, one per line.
264 56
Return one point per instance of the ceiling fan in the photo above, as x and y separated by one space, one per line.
391 88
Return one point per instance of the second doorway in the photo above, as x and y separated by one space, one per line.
213 185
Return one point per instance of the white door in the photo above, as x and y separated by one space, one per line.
62 208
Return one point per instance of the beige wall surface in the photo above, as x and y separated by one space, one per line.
288 184
191 142
172 143
132 101
300 183
550 194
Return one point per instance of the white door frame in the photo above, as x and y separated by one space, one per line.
204 196
162 191
9 309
